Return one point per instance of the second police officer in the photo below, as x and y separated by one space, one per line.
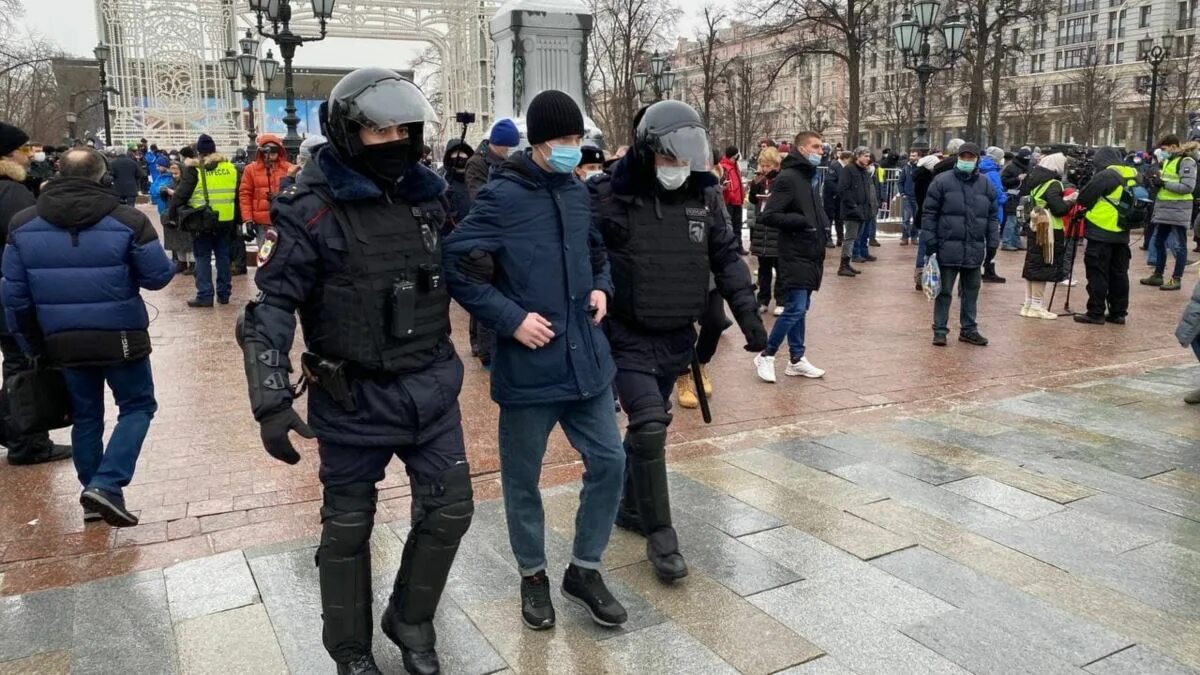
355 251
664 225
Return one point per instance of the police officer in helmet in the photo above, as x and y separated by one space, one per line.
355 251
664 225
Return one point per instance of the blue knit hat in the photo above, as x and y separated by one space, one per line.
505 134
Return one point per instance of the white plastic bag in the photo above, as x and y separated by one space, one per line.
931 278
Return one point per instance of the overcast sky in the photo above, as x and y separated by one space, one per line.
72 24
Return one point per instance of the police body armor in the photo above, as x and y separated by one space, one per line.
387 308
661 273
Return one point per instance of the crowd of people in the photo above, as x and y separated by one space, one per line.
588 277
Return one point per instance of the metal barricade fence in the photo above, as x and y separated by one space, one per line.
890 199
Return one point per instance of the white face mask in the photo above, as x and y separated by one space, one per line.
591 174
673 177
39 156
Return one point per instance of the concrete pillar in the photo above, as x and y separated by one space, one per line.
540 44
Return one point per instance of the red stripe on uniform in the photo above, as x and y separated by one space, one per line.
313 221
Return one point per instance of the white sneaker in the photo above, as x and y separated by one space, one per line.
778 311
1039 312
1025 312
765 365
803 368
1069 282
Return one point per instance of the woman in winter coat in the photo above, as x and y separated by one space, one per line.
1044 261
764 240
1188 333
175 240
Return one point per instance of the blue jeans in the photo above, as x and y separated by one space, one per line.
132 386
207 247
790 325
908 209
866 232
591 427
1011 236
1177 241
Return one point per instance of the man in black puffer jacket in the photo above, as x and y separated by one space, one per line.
959 223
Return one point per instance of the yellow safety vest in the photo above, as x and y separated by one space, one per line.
1038 193
1103 213
1170 174
221 185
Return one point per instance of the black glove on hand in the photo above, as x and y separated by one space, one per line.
249 231
930 250
274 431
478 266
756 334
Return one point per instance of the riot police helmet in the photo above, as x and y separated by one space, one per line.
377 99
674 129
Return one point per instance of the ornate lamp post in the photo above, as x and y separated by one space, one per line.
279 14
912 38
1155 56
232 65
72 118
661 78
102 52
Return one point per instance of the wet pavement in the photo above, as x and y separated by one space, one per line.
971 453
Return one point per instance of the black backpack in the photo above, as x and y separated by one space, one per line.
1132 213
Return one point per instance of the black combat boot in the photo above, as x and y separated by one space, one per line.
362 665
344 568
844 268
990 276
627 511
647 449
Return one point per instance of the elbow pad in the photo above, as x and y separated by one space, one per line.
267 366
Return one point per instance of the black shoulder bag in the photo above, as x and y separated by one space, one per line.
201 220
38 400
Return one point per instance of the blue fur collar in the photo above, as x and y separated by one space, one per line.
420 184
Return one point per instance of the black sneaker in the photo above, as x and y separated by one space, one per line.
90 515
199 303
939 340
110 506
973 338
585 588
39 455
223 301
537 611
1119 320
363 665
1088 318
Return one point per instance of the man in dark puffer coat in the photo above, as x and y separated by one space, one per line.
959 223
73 270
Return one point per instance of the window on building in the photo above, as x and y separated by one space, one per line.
1037 63
1012 95
963 101
1109 52
1144 16
1120 52
1012 65
874 84
874 60
1015 37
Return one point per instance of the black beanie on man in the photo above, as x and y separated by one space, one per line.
552 114
11 138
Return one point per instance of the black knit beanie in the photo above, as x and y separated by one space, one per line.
12 138
552 114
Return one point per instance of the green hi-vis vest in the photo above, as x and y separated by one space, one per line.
1170 174
1104 213
221 185
1038 194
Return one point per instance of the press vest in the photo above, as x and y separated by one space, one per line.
391 278
221 185
1103 213
661 273
1170 174
1038 195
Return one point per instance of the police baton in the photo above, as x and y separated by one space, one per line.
699 381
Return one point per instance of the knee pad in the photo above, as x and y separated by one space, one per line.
647 441
347 517
443 507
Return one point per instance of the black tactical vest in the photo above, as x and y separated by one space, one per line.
392 277
661 273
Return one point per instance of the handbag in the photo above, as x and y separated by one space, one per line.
201 220
38 400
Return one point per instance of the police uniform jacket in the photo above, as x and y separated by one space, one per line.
624 199
537 227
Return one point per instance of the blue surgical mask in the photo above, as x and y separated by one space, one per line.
564 158
815 160
964 166
1162 155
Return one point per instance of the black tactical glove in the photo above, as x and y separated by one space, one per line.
478 266
249 231
274 431
756 334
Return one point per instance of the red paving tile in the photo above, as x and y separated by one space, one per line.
204 483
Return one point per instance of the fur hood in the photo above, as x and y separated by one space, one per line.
12 171
211 161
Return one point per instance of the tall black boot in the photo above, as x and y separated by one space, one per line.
442 508
989 274
844 269
344 567
647 452
627 512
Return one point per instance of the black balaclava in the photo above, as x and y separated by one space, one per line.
387 163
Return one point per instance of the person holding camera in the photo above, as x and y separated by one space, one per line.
1106 259
355 251
208 184
260 183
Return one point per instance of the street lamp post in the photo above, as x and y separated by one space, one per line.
234 64
912 38
279 14
72 118
1155 56
102 52
661 78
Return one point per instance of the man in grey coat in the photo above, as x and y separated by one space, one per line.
959 223
1173 209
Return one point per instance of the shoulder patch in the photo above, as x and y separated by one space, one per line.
697 213
267 250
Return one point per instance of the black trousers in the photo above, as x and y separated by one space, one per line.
735 221
768 269
713 322
1107 266
15 362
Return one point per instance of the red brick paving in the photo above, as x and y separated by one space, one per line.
204 483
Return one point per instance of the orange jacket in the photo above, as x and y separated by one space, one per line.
260 184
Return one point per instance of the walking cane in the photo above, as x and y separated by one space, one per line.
699 381
1070 278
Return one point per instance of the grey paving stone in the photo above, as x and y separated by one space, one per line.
1167 389
873 592
853 637
462 649
481 575
234 641
123 625
664 648
1005 498
873 451
36 622
825 665
209 585
924 496
1174 563
1139 660
811 453
799 551
1038 624
983 647
735 565
1163 525
732 516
